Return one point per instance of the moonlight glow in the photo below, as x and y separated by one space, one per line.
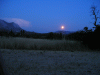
62 27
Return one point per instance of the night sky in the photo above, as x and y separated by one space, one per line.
45 16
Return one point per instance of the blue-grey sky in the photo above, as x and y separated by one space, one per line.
48 15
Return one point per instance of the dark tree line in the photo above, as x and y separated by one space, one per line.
23 33
52 35
93 39
89 38
12 34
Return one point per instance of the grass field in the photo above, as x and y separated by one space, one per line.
41 62
40 44
27 56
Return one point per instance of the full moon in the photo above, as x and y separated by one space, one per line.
62 27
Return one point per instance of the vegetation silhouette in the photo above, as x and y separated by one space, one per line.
11 33
89 38
92 39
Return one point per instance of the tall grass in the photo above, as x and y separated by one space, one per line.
39 44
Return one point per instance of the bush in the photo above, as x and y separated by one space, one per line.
92 40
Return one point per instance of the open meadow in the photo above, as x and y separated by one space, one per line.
41 62
27 56
40 44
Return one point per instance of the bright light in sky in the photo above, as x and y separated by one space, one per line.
62 27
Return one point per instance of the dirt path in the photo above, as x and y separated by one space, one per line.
34 62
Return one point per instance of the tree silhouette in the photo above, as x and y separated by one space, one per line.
61 36
22 32
50 35
86 29
92 39
11 33
95 13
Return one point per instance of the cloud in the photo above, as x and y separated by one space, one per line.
20 22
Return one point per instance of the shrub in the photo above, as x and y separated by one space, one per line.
92 40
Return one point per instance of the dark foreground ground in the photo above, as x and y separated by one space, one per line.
36 62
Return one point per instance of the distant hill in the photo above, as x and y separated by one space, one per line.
65 32
5 26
